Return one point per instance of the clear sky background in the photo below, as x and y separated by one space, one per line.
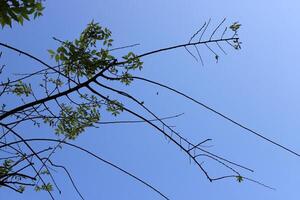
258 86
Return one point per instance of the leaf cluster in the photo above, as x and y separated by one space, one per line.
18 10
46 187
22 88
82 57
74 121
6 167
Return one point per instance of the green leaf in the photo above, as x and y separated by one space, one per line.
20 19
56 57
235 26
25 15
13 15
239 178
7 20
51 52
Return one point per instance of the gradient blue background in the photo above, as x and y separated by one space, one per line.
258 86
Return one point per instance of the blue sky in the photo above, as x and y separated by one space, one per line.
257 86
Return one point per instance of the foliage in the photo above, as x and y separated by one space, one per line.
21 88
239 179
74 122
46 187
83 59
18 10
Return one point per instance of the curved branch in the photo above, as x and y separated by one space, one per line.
154 126
69 175
93 155
218 113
